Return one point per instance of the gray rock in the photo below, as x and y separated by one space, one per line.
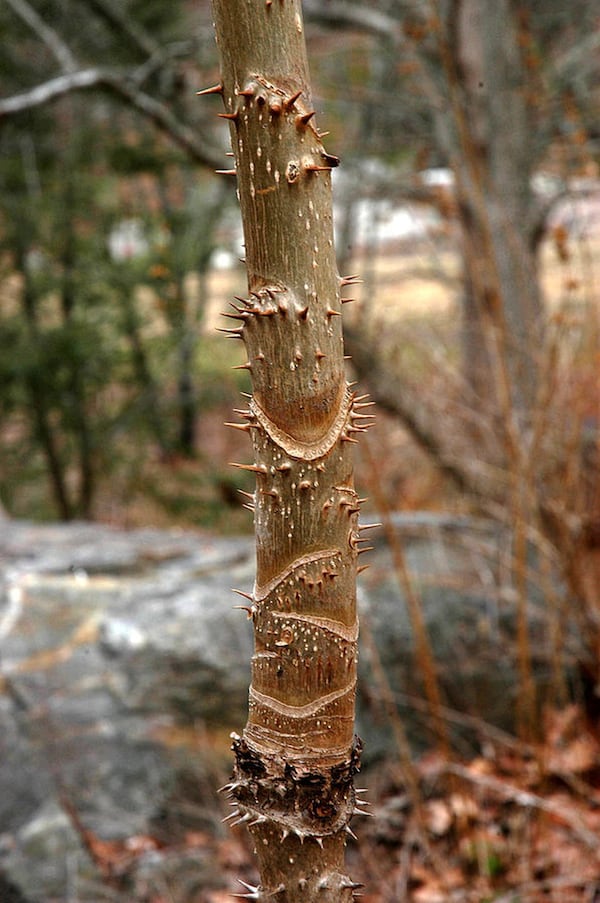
109 639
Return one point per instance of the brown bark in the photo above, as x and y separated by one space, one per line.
293 777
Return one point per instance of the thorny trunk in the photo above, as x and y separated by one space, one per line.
293 775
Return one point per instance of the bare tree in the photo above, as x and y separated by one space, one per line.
293 777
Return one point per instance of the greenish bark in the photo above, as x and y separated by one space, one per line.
293 776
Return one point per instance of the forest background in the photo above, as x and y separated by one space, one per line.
468 200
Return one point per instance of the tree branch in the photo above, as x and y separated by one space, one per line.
121 24
122 85
48 35
338 13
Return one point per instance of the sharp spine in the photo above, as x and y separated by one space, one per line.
215 89
291 100
231 815
240 592
254 468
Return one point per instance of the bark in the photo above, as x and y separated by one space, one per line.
293 776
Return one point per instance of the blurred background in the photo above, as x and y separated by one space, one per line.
468 201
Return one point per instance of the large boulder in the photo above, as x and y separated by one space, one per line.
113 642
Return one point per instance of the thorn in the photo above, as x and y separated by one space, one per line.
289 103
319 354
226 172
232 116
347 357
233 333
368 526
241 315
351 832
333 313
247 92
253 892
361 568
357 811
347 882
346 438
314 167
268 3
284 468
331 159
244 427
250 507
275 108
241 821
259 820
248 495
246 366
303 314
246 395
360 398
245 301
347 300
255 468
216 89
351 280
366 549
245 608
305 118
319 841
241 592
322 134
234 814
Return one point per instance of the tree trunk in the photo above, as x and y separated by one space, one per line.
293 775
486 132
38 398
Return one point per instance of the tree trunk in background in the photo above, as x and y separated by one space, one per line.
293 776
486 131
37 394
